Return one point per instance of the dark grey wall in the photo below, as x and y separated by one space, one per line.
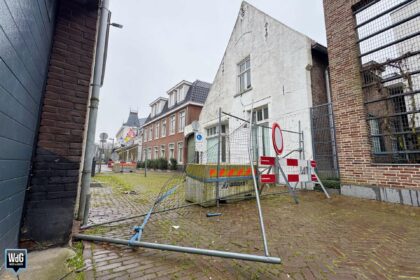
26 28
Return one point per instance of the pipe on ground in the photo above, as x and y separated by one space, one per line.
188 250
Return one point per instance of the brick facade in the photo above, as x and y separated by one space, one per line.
52 191
354 147
192 113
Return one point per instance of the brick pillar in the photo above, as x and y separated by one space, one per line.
354 147
52 192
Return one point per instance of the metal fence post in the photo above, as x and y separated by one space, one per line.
219 130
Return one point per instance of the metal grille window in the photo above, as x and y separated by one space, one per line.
244 76
389 43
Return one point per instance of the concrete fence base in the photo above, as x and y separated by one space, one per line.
401 196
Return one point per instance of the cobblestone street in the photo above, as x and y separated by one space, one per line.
341 238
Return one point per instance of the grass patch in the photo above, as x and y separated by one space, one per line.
126 182
77 262
99 230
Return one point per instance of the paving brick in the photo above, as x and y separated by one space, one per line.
341 238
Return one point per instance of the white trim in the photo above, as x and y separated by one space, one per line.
178 85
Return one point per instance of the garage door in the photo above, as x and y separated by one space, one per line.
25 39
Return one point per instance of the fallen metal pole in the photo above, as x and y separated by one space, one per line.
189 250
257 196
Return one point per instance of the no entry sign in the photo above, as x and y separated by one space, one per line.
277 138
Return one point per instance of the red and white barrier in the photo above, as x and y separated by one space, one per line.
306 167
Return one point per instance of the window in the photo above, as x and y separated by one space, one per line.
157 128
171 150
180 152
213 130
244 77
156 156
149 153
390 74
163 133
145 136
150 133
172 125
172 97
375 134
260 114
144 154
162 151
181 121
212 140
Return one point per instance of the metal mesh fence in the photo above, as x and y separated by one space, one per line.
323 141
389 43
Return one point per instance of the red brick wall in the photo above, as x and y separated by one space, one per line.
354 147
192 114
53 188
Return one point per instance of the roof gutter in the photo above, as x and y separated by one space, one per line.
97 81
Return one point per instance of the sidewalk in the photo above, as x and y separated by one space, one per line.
341 238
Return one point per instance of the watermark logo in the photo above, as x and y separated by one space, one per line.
15 259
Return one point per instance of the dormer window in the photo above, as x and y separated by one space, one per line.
172 99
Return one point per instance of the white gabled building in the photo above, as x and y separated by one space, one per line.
278 70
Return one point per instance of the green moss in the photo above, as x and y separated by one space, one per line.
77 263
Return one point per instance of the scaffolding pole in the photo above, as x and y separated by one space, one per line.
189 250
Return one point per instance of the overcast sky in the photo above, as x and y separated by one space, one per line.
166 41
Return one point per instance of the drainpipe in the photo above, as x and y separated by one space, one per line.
93 109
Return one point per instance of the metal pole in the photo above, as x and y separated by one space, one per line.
189 250
145 162
219 129
93 107
257 195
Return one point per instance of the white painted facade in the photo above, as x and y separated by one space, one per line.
280 63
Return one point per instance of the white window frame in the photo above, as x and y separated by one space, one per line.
172 124
261 114
163 132
180 153
181 122
245 75
149 153
156 152
163 151
169 150
151 133
157 130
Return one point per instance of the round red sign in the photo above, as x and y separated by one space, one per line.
277 138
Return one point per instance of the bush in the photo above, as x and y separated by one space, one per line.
329 183
174 164
140 164
162 164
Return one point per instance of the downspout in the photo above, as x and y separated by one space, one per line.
331 119
93 109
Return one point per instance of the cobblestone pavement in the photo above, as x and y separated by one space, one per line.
340 238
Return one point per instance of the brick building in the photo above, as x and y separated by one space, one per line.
163 135
375 79
46 60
